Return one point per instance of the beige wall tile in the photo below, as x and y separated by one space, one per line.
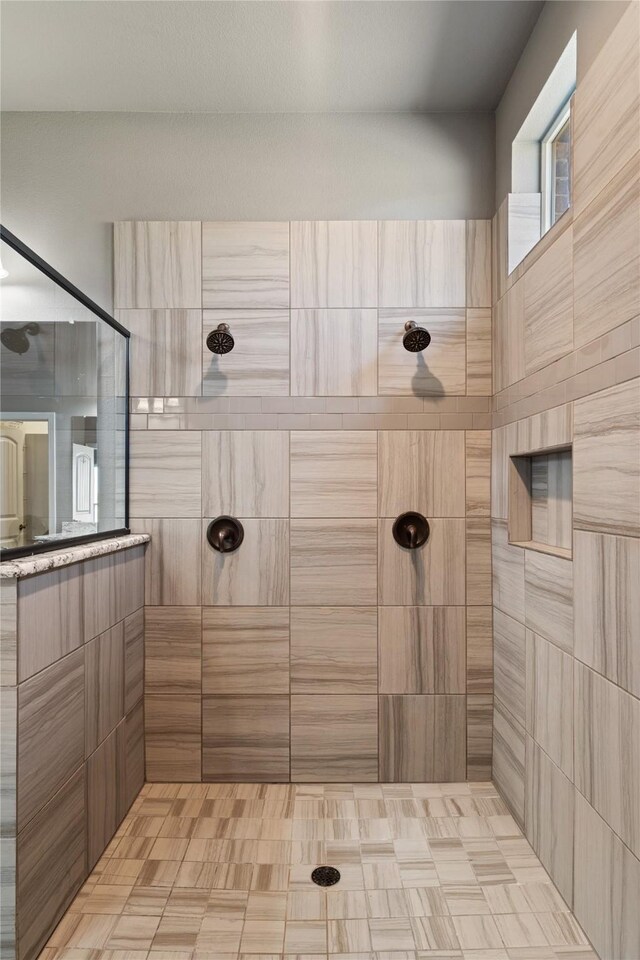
173 737
165 352
334 474
112 588
479 650
50 732
422 263
478 473
509 759
421 470
422 649
606 872
131 747
479 346
508 338
333 263
606 607
549 817
606 457
165 474
551 499
549 597
509 664
607 752
439 370
102 798
434 574
607 257
508 573
245 649
478 542
258 365
245 264
256 574
173 650
479 263
172 560
549 700
422 738
548 305
479 736
334 738
245 738
49 617
133 659
333 353
104 685
245 473
157 264
333 560
334 650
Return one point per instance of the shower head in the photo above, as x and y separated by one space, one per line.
416 338
220 340
15 338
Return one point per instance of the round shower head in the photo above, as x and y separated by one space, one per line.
416 338
220 340
15 338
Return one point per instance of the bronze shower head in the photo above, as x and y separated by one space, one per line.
220 340
416 338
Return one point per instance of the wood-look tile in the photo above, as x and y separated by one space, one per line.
478 473
609 91
479 650
605 872
334 738
165 474
422 649
333 353
334 650
479 263
422 263
421 470
549 816
245 473
258 365
51 855
334 474
172 560
440 370
607 752
422 738
257 574
333 560
549 700
549 597
509 661
508 338
102 797
131 758
50 732
478 543
49 617
245 738
508 573
104 685
157 264
606 606
165 357
333 263
479 346
133 659
349 937
244 649
172 737
112 589
245 264
606 456
434 574
551 499
479 736
173 650
509 759
548 305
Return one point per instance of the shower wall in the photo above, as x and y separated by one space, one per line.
567 622
320 650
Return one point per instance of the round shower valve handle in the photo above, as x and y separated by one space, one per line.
410 530
225 534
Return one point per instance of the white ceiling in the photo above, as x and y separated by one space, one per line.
248 56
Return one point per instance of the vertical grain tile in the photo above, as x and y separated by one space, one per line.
479 650
173 742
333 353
49 618
549 700
133 659
165 352
256 574
102 798
245 738
549 817
548 305
131 758
334 473
173 650
165 474
421 649
334 650
334 738
439 370
434 574
245 264
508 338
244 649
157 264
422 738
479 736
245 473
421 263
9 631
478 566
479 263
509 662
258 365
509 759
333 560
421 470
479 346
508 573
478 473
104 685
172 560
333 263
549 597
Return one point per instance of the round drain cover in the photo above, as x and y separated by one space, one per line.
325 876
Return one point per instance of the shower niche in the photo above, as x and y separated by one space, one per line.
540 501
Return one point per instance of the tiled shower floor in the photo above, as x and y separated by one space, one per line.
221 871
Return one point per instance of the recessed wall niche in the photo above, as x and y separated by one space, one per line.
540 501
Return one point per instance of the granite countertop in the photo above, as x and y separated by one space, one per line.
41 562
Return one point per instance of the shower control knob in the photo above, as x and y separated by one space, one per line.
410 530
225 534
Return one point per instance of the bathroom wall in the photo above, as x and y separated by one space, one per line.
72 732
567 631
320 650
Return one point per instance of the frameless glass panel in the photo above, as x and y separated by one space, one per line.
63 420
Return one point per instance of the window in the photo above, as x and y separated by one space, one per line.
555 172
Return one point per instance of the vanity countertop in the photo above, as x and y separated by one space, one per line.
41 562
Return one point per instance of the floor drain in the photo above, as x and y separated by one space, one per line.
325 876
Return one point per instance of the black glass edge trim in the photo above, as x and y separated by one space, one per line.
53 274
14 553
